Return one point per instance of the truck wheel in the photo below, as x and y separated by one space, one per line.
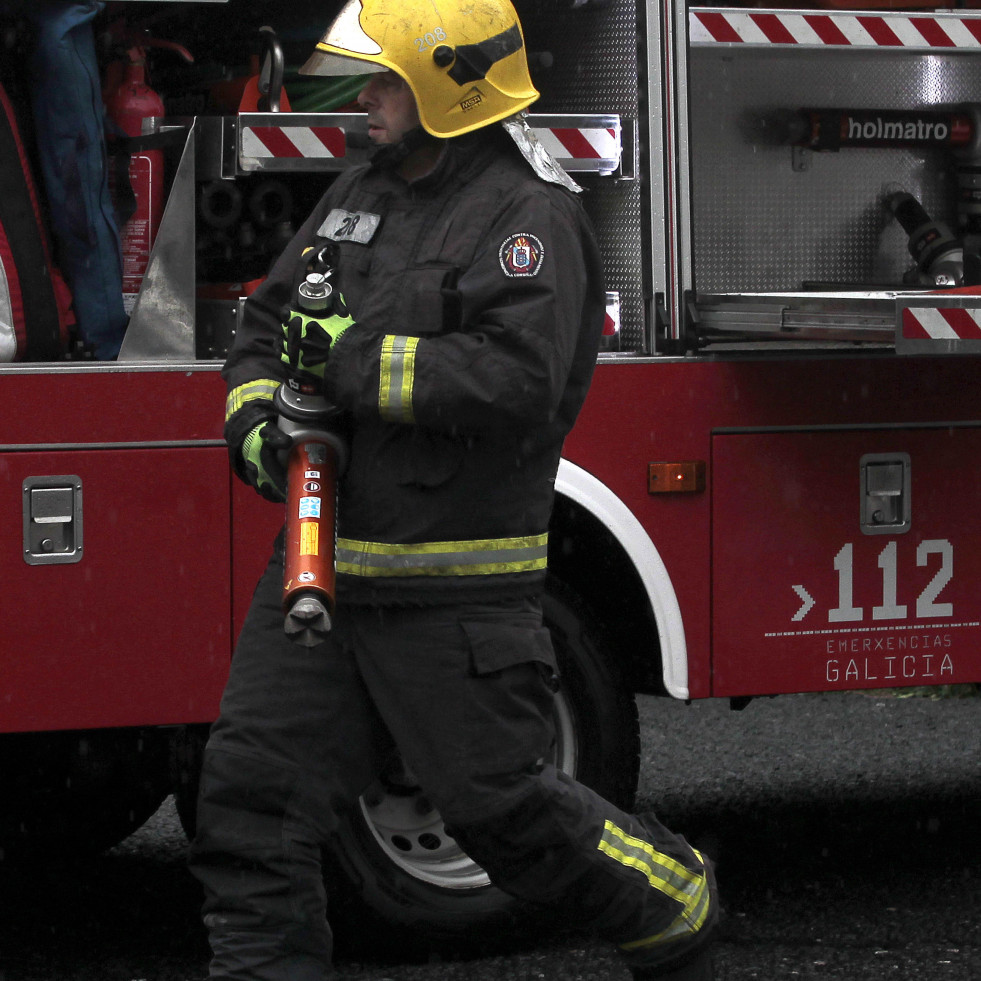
402 872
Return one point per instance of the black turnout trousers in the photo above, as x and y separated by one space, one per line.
464 692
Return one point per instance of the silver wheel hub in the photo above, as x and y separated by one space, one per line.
412 834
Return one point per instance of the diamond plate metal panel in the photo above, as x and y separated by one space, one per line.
614 208
592 68
592 55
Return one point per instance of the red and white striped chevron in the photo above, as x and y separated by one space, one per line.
834 29
581 148
941 324
580 144
292 142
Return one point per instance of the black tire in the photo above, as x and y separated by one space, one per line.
72 794
395 874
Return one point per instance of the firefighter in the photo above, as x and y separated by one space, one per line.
474 305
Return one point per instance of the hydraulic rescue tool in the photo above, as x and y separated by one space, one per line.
315 460
938 253
944 258
836 129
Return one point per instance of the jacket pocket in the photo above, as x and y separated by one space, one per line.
432 304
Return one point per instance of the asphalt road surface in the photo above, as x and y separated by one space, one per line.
846 829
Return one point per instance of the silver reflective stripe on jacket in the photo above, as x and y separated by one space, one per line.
261 388
486 557
396 376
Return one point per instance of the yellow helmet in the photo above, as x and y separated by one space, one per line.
464 60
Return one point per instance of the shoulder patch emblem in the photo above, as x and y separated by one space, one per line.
521 255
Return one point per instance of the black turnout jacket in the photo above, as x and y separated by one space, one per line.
478 296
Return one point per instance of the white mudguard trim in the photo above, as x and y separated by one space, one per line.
8 334
583 488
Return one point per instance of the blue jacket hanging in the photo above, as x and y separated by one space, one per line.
69 119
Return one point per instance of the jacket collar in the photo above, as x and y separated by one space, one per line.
462 157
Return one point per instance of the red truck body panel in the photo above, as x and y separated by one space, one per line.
782 440
140 630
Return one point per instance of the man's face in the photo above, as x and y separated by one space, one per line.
391 107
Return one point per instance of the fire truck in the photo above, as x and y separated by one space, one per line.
768 490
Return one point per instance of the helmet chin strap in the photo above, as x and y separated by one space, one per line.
390 155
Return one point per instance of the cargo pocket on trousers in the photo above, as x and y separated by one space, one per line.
511 684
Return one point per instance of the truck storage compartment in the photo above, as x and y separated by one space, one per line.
116 586
807 232
863 549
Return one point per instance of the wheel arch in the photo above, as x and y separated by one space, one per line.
598 547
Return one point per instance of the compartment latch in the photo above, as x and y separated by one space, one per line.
52 520
885 493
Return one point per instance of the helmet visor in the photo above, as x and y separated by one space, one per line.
345 49
328 63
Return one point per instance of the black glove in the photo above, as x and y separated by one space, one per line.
307 339
264 460
258 447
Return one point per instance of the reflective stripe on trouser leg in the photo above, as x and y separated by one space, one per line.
666 875
544 850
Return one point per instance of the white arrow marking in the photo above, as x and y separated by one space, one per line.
807 601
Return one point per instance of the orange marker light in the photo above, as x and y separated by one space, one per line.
682 477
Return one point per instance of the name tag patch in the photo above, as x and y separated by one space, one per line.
349 226
521 255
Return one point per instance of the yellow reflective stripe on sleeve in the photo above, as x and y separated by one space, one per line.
261 388
486 557
397 369
665 874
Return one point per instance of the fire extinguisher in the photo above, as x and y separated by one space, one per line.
129 100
